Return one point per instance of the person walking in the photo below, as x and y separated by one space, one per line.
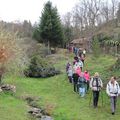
81 84
84 52
70 73
67 66
112 89
82 58
75 81
96 85
87 78
80 64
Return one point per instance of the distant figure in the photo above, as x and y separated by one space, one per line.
67 66
96 85
70 73
80 64
87 78
75 60
113 91
82 58
78 70
75 50
81 84
75 81
84 52
80 52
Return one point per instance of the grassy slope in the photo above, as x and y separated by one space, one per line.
57 96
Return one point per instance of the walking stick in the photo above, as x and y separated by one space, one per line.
102 97
90 98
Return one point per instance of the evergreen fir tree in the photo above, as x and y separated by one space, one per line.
50 28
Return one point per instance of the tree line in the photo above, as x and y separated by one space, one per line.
86 19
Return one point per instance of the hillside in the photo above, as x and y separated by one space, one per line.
56 94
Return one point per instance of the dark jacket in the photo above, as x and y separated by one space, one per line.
75 78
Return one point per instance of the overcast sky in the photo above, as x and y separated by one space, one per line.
11 10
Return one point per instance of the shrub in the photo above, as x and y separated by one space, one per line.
116 66
39 67
12 57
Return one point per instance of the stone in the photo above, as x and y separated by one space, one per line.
46 118
7 87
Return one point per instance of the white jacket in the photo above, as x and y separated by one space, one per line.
112 90
93 84
70 72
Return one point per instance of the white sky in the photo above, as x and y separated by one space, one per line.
11 10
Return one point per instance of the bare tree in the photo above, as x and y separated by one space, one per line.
105 11
114 8
118 13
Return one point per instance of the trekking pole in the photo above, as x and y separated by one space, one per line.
102 97
90 98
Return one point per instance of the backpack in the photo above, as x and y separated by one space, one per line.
117 87
97 85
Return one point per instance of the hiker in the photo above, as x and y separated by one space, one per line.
82 58
81 84
75 51
75 81
78 70
113 91
84 52
75 60
67 66
80 52
96 85
70 73
87 78
80 63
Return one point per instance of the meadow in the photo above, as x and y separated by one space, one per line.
56 94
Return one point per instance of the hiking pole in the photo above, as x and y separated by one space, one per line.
90 98
102 97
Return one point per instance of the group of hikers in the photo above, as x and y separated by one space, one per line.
82 80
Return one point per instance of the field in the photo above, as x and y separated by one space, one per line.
57 96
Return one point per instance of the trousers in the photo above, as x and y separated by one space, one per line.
113 100
95 98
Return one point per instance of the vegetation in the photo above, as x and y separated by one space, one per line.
89 18
96 47
11 54
50 28
39 67
57 96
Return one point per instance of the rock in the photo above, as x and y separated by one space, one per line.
46 118
7 87
0 90
38 113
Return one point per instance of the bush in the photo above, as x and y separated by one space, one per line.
116 66
39 67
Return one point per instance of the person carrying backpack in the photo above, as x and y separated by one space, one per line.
67 66
87 78
84 52
81 84
70 73
96 85
112 89
80 64
75 81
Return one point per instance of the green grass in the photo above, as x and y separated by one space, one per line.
12 108
57 95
